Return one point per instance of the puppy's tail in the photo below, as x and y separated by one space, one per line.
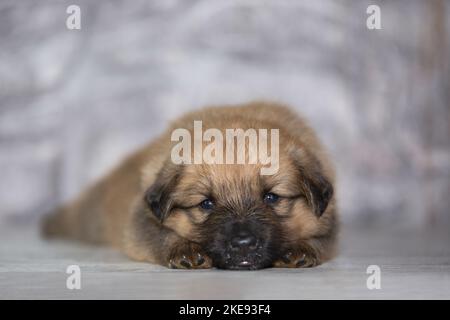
77 221
55 225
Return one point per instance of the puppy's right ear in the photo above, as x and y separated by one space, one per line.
159 196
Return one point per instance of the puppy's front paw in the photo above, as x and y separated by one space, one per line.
188 255
297 259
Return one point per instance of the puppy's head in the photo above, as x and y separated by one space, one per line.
242 219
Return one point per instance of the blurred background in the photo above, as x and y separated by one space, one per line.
73 103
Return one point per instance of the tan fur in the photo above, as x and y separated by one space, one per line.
113 210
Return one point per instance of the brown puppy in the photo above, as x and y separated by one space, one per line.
214 215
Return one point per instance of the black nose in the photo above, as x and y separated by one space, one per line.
243 240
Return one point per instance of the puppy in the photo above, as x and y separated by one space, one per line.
200 215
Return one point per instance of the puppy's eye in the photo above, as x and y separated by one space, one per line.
270 198
207 204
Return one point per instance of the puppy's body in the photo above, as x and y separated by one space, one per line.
149 208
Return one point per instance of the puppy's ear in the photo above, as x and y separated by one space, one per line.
159 196
314 185
318 192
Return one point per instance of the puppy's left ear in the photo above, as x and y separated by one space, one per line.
159 196
317 189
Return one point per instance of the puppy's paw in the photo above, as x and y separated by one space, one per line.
188 255
297 259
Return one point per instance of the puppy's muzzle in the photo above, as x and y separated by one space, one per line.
243 242
241 245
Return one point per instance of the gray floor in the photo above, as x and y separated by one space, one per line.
413 265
